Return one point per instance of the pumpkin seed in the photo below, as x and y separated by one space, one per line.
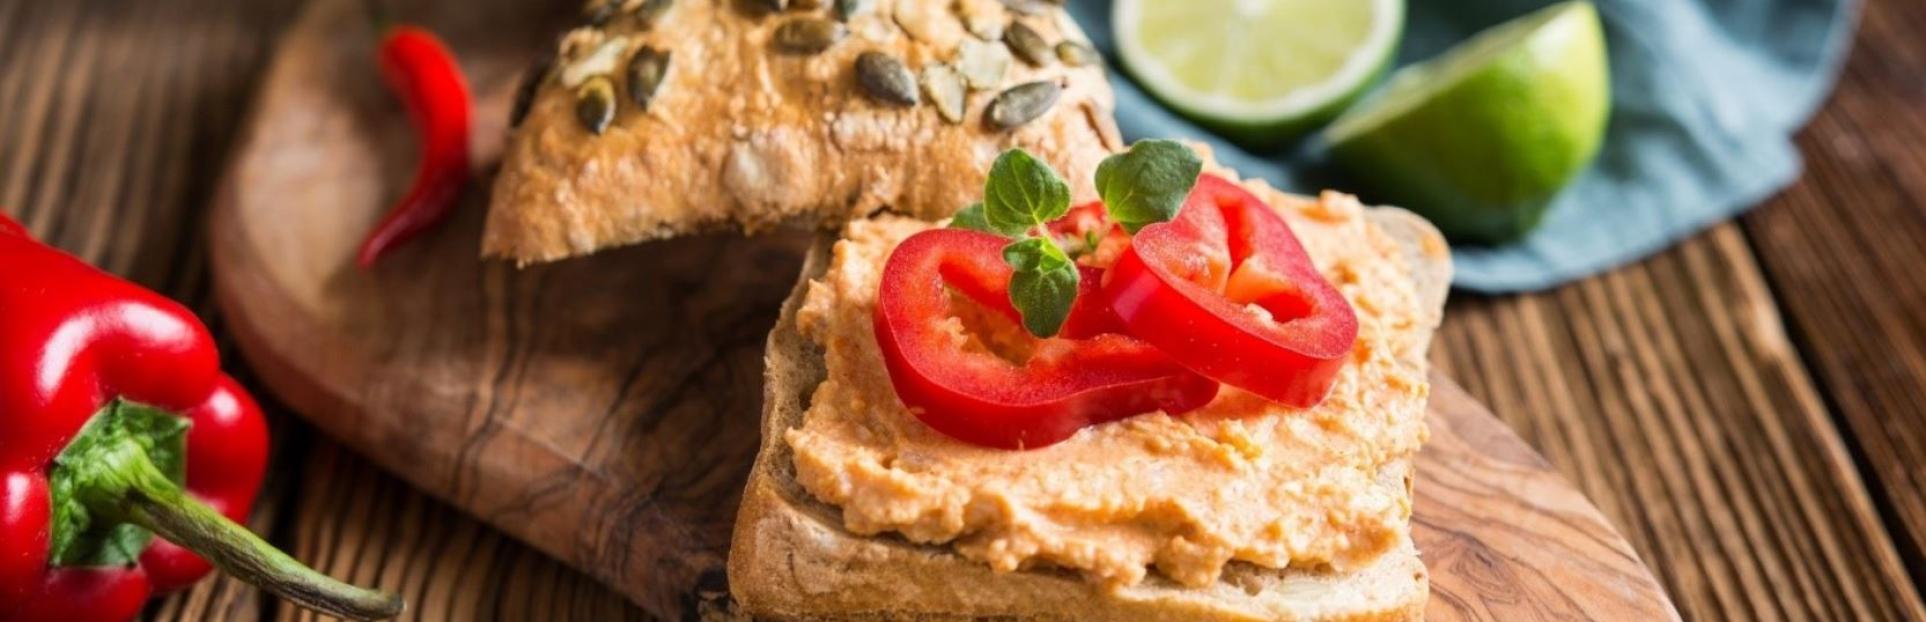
926 21
886 79
982 63
1022 104
983 18
647 68
945 88
1027 44
985 27
1077 54
595 104
848 9
808 35
525 91
604 58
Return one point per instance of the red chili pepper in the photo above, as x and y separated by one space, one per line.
420 70
116 424
978 397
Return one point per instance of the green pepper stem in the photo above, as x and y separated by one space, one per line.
123 483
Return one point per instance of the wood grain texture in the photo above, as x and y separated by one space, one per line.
1672 380
1843 250
602 409
369 526
605 409
111 151
1507 538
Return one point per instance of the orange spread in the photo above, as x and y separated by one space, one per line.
1241 479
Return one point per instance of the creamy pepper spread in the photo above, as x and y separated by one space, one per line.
1240 479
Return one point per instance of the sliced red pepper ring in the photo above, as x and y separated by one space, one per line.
979 397
1089 316
1227 290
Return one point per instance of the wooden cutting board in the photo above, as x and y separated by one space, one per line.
604 409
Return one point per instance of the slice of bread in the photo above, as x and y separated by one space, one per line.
792 559
741 133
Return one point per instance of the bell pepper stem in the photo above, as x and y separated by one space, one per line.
123 483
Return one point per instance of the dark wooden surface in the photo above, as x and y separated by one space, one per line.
1747 407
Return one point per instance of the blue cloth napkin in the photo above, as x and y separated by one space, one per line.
1706 95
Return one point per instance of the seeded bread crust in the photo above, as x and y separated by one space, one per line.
741 135
792 560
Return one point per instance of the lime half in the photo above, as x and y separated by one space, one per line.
1481 138
1258 71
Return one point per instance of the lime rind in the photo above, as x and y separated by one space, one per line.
1482 138
1418 83
1263 119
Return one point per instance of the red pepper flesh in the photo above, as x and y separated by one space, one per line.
74 340
977 397
420 70
1227 290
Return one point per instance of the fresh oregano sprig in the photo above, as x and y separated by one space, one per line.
1044 286
1143 185
1023 193
1020 196
1147 183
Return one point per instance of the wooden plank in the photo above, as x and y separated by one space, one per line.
362 524
1843 251
1669 391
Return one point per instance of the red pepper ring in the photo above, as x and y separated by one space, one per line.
980 398
1227 290
1089 316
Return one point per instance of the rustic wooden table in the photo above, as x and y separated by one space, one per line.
1746 406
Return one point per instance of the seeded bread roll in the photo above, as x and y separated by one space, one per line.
676 116
793 559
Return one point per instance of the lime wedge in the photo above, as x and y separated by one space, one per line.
1481 138
1257 71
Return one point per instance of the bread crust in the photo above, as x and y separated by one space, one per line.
791 559
741 135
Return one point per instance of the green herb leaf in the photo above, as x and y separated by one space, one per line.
972 218
1022 192
1147 183
1044 286
80 537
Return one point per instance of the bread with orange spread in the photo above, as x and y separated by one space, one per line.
876 517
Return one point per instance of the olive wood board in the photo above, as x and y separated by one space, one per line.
604 410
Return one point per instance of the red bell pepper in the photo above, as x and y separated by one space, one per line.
117 426
1227 291
1065 385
